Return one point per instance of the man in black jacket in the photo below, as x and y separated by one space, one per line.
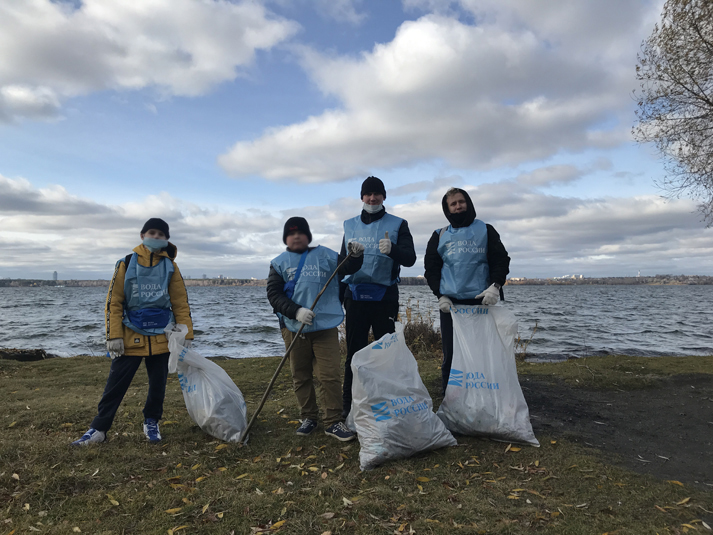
371 295
466 264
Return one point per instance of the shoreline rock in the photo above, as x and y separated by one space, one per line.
24 355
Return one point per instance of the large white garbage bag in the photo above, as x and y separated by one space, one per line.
212 399
483 396
392 411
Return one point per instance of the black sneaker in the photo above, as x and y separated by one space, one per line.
306 428
340 432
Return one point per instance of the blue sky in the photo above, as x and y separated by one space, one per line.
225 118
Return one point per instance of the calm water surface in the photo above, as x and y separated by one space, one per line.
238 322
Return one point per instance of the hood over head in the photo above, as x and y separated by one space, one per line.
462 219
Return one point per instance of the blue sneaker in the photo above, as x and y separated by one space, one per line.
151 430
306 428
340 432
90 437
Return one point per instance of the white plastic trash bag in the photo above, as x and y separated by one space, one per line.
483 396
392 411
212 399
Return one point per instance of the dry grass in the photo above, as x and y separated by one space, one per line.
280 483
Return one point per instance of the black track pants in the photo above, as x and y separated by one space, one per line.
121 374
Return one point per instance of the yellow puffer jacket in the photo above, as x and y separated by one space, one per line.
136 344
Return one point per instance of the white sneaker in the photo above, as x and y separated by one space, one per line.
90 437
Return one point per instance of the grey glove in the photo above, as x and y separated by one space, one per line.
445 304
187 343
115 347
385 244
490 296
355 248
305 315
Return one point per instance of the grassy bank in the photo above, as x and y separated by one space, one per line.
281 483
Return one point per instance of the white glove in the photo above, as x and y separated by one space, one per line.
490 296
305 315
445 304
187 343
115 347
355 248
385 245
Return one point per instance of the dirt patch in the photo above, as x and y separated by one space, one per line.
665 430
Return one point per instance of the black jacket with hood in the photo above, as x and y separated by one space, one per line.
498 259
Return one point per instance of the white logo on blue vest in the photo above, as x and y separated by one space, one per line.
380 412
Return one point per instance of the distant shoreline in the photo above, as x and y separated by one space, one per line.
658 280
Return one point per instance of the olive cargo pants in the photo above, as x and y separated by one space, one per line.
316 354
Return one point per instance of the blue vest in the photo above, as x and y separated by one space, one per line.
377 267
147 305
318 267
464 251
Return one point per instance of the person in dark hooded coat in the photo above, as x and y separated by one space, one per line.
466 264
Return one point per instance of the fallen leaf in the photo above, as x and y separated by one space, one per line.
673 482
222 469
241 476
15 476
293 422
173 511
278 491
327 516
684 501
205 508
219 515
220 447
76 529
324 475
326 533
12 424
278 525
515 448
26 507
423 479
347 502
169 422
195 466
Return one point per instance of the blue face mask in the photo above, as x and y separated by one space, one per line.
154 245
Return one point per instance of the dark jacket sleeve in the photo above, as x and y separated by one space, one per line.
277 297
403 252
433 263
498 259
351 266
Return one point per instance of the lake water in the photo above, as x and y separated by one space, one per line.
238 322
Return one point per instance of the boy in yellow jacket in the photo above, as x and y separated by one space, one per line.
146 293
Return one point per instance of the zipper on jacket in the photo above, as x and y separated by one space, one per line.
150 265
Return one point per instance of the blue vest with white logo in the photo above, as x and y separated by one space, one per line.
377 267
147 305
464 251
318 267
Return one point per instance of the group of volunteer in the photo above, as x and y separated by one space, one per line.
465 264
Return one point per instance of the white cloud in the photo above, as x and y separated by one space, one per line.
54 50
515 87
47 229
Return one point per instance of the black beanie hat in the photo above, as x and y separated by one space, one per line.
373 185
158 224
296 223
